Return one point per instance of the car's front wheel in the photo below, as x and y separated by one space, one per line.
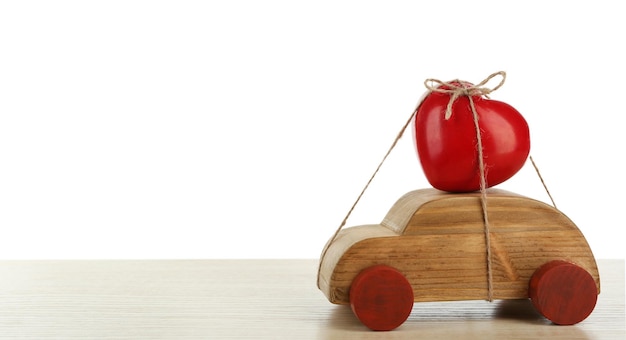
563 292
381 297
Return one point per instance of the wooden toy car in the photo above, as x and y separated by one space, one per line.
431 246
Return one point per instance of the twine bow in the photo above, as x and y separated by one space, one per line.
457 88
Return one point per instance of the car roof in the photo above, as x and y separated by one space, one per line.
404 209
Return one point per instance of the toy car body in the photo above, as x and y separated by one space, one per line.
438 242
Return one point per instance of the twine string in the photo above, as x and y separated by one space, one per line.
455 89
483 200
545 187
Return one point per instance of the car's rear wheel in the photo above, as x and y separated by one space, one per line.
381 297
563 292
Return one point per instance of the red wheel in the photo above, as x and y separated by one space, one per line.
563 292
381 297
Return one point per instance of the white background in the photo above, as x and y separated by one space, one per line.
246 129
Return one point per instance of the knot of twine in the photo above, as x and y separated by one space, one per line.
457 88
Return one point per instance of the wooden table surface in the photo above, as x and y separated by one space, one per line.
253 299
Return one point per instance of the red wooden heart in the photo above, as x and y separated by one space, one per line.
447 148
